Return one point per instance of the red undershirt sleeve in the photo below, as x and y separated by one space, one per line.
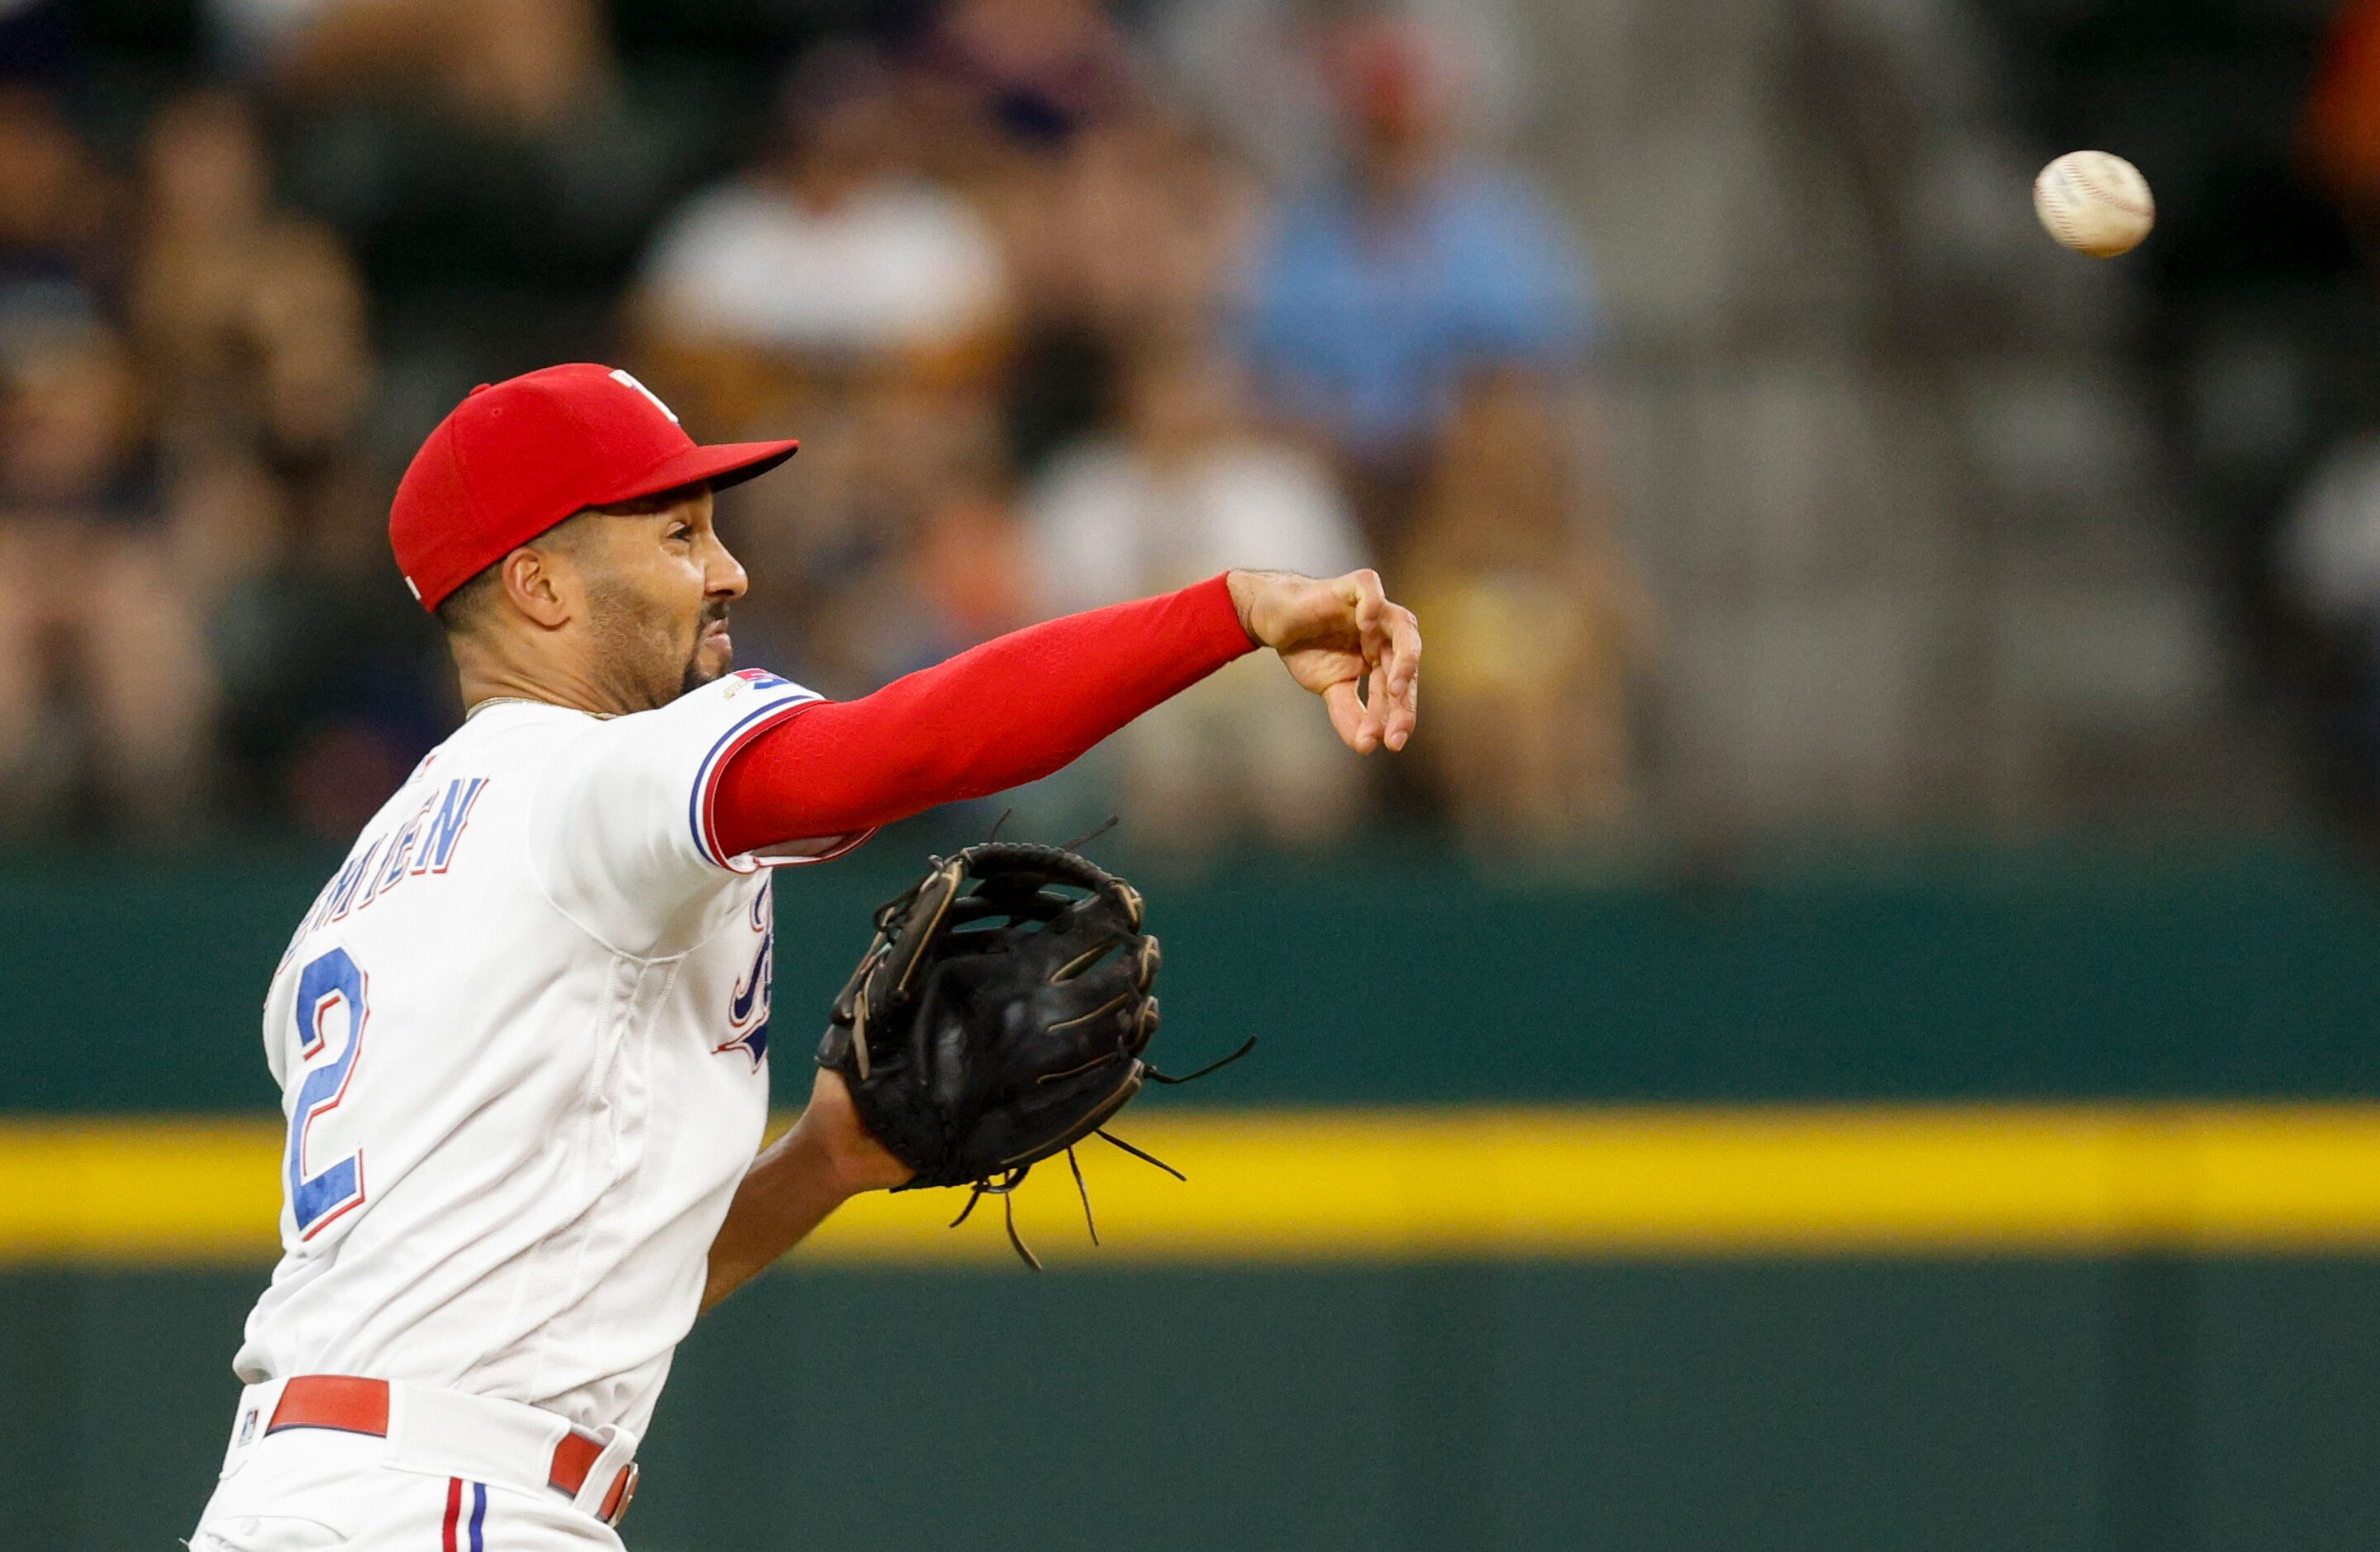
1002 714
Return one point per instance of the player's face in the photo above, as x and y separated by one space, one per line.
658 596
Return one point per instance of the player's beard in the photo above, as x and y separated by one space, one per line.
696 675
643 645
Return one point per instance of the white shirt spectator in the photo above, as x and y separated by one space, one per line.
900 265
1108 522
1106 525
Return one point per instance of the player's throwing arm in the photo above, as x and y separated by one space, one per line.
1019 1065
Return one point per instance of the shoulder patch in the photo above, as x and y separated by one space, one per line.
749 682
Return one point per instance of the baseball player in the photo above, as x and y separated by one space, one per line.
522 1035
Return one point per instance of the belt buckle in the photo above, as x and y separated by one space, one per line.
615 1502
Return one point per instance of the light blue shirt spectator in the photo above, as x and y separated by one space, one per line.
1364 317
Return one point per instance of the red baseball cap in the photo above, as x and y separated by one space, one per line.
518 456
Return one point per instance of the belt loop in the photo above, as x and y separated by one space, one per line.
248 1425
622 1493
595 1495
399 1415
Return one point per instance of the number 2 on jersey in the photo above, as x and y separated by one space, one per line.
327 987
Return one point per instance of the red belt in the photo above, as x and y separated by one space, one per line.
360 1406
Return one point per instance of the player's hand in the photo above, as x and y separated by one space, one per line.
859 1161
1333 635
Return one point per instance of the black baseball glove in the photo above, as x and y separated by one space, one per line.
998 1018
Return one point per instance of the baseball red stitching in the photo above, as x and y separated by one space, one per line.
2070 182
2074 172
2054 204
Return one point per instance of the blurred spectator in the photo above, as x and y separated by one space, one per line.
896 548
835 288
2329 560
1033 73
525 67
1251 69
2327 568
253 323
92 729
831 256
37 44
1536 622
973 566
252 318
58 211
938 273
1373 295
104 694
1133 233
2341 123
1187 489
1130 234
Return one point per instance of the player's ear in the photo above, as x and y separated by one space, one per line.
535 586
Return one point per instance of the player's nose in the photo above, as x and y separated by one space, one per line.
724 576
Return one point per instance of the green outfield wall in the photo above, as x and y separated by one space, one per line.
1414 979
2087 1359
2015 1406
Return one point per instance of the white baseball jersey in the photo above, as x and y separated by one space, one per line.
522 1040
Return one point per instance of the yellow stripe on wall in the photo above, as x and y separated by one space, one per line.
1385 1184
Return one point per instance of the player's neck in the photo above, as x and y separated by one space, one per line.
488 674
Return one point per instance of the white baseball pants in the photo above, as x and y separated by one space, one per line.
455 1474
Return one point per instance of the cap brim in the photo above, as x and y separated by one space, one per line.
729 463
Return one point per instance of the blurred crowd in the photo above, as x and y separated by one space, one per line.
1068 303
2323 566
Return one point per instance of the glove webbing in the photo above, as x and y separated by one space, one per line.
1005 1186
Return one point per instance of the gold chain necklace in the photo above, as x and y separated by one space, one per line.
477 706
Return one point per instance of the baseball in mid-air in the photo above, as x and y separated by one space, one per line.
2094 203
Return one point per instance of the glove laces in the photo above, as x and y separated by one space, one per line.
1004 1186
